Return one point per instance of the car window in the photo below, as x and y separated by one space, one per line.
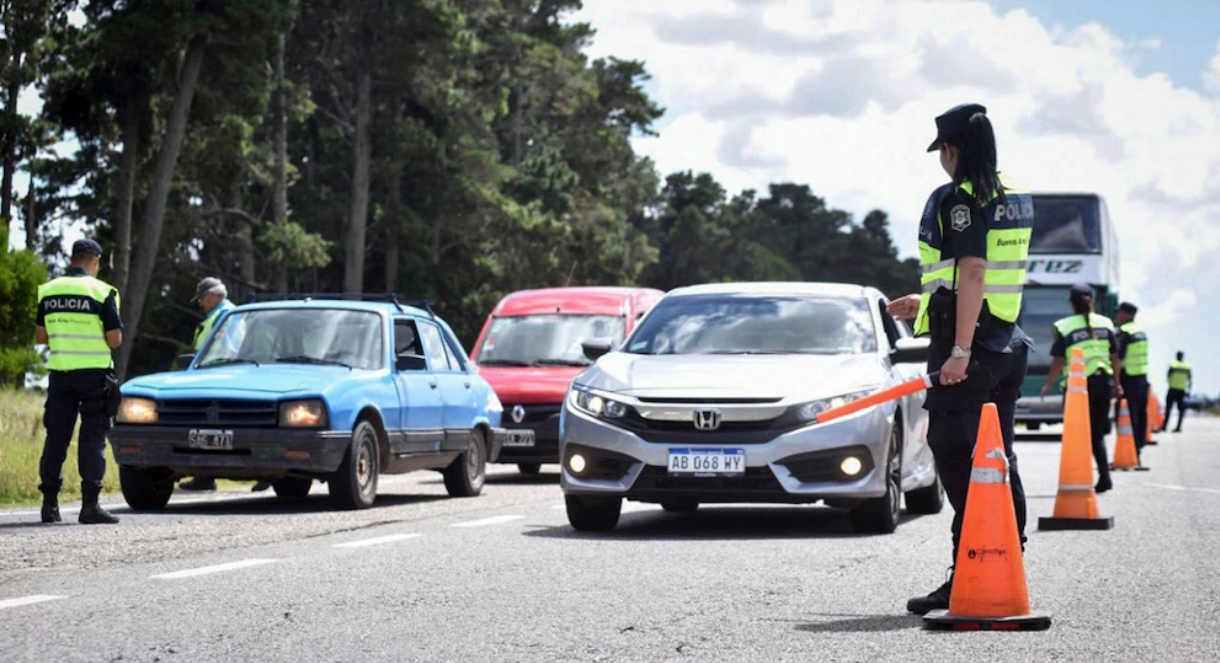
434 347
298 335
406 338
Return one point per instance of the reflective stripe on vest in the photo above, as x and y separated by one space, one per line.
72 311
1135 361
1179 375
1010 225
1096 348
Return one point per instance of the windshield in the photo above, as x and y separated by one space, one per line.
297 336
1040 309
743 324
546 340
1066 225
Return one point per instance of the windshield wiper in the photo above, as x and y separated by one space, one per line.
560 362
302 359
504 362
227 361
749 352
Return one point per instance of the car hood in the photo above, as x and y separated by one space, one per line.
246 378
794 377
534 384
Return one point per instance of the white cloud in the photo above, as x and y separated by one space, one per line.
841 94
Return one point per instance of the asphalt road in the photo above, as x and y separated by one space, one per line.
502 577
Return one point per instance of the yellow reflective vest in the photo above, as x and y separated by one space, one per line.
1135 349
1179 375
1010 225
1096 346
72 313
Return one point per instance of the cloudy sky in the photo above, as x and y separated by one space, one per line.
1117 97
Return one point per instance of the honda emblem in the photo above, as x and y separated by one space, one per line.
707 419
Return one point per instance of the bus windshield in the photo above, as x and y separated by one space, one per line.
1066 224
1040 309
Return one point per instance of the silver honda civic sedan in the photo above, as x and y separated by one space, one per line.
713 397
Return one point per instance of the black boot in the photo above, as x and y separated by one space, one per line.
50 508
92 513
937 600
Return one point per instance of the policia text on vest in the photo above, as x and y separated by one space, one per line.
78 319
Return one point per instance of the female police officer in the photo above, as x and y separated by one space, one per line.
1094 335
973 248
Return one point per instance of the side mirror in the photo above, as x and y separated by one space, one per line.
183 361
411 362
596 347
911 351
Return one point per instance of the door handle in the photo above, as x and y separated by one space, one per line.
432 384
467 383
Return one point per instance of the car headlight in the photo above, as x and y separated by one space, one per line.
598 405
134 410
810 411
303 414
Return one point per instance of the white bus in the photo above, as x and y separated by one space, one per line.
1073 242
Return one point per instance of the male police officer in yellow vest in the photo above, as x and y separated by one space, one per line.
973 247
1179 385
78 318
1133 349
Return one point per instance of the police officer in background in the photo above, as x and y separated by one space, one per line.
973 247
78 319
1094 335
1133 350
1179 385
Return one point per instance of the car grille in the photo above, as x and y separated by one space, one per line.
729 432
755 479
534 413
217 412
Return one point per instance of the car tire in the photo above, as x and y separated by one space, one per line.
927 500
291 488
145 490
880 515
592 514
354 485
680 507
465 475
529 469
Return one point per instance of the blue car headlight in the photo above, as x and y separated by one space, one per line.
596 404
309 413
810 411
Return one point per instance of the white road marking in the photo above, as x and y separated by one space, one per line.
204 570
28 600
494 520
1175 487
376 541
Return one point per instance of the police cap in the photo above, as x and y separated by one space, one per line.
1080 291
86 246
953 122
1128 307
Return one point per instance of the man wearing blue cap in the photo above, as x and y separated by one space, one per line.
78 319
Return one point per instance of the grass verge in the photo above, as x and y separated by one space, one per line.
22 437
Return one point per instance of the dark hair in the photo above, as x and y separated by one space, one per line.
976 160
1180 355
1083 305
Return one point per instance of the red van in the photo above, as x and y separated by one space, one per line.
529 351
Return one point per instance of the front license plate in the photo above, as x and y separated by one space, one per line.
707 461
210 440
520 438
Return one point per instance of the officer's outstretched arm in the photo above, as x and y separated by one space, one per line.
114 338
1053 376
40 335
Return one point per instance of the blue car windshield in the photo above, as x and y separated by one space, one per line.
297 336
751 324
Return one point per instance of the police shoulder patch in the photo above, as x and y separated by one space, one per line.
959 217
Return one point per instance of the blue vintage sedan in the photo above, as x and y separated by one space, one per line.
321 388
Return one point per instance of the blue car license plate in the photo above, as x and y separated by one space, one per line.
210 439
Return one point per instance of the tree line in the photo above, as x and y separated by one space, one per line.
454 150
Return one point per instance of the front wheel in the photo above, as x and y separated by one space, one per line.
593 514
880 515
465 476
145 490
354 484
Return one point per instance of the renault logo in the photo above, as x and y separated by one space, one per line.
707 419
518 413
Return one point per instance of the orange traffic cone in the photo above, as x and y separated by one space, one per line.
989 590
1076 503
1125 457
1154 417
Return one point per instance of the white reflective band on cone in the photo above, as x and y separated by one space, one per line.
986 475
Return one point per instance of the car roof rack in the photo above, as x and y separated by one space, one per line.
396 299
